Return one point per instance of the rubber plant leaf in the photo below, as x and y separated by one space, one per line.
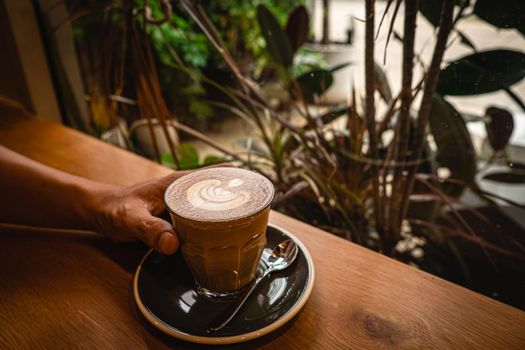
277 42
455 150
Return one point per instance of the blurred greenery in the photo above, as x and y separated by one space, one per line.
189 158
323 175
235 20
184 89
178 45
182 52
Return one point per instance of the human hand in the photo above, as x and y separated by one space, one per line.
130 213
63 200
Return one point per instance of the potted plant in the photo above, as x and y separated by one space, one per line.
385 192
382 192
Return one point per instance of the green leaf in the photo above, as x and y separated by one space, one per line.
334 113
167 160
506 177
339 66
465 40
209 160
516 165
277 42
499 125
188 156
455 149
382 84
297 27
502 13
431 9
315 82
482 72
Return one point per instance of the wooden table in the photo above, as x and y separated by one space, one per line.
60 290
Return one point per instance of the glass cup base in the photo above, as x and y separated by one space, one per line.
219 296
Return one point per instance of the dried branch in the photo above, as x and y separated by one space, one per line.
388 4
325 40
292 191
474 188
445 26
197 13
475 239
401 146
391 109
370 104
391 28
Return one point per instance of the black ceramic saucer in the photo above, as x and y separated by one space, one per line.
166 295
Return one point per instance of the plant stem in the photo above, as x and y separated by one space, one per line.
164 114
449 202
400 151
370 105
445 26
460 233
196 12
190 131
148 92
326 22
391 28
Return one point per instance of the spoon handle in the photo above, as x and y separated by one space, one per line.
225 317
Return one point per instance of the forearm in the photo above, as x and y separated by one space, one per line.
35 194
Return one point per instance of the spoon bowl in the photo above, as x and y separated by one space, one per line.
282 256
278 259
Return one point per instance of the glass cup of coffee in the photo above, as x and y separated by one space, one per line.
220 215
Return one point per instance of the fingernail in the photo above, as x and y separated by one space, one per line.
168 243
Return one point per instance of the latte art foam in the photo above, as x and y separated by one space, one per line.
214 195
218 194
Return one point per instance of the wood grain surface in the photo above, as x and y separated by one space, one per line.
73 290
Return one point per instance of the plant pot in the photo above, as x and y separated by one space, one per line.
141 137
117 135
333 55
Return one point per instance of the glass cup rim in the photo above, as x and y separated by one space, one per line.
270 200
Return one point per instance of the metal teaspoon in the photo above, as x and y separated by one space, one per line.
282 256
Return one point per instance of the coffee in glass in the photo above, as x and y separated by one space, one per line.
220 215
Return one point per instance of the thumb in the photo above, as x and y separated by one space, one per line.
156 233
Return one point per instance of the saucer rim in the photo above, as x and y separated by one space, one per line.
232 339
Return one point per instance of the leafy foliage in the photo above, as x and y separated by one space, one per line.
277 41
178 34
189 158
315 83
350 177
482 72
455 149
504 14
297 27
506 177
499 125
283 45
431 9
